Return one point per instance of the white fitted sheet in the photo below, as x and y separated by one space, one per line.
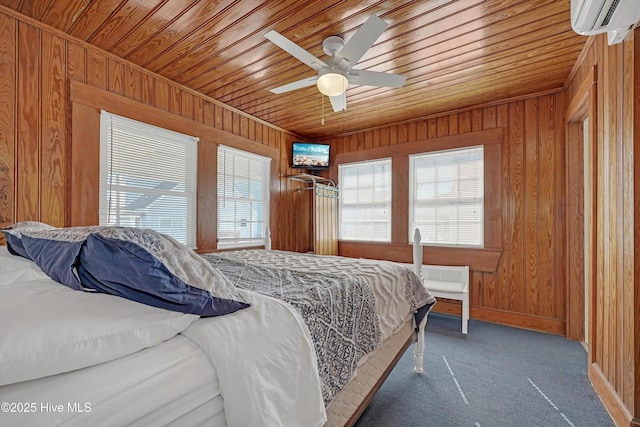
173 383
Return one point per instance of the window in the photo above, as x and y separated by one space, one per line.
365 200
446 199
243 197
148 177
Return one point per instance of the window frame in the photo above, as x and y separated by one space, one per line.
107 185
385 162
412 205
266 208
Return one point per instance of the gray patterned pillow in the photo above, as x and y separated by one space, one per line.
13 235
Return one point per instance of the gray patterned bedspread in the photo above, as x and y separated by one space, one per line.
349 305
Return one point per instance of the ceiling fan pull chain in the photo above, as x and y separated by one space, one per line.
322 119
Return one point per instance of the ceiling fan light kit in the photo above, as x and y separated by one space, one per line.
335 74
332 82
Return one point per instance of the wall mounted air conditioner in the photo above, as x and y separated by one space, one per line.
615 17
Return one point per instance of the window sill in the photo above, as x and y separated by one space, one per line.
478 259
239 246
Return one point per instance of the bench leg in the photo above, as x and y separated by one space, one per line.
465 311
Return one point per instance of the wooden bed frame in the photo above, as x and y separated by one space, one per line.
349 404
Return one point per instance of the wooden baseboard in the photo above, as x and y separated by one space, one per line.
614 405
519 320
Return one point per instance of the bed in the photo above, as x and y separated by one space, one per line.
88 355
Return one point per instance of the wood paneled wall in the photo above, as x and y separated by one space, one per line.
527 286
37 65
614 351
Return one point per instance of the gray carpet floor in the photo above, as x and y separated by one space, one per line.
494 376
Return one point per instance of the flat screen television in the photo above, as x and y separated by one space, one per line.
310 155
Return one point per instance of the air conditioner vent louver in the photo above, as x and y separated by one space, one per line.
609 14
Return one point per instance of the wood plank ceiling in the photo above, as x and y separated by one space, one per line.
454 53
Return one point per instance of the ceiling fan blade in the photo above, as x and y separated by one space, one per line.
295 50
310 81
339 102
375 78
363 39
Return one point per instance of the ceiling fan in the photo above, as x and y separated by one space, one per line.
336 73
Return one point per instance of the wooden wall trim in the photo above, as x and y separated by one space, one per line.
579 105
207 205
634 137
574 231
595 196
518 320
85 165
478 259
493 185
8 125
610 398
399 201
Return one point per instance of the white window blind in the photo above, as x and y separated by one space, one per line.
365 200
446 200
243 197
148 177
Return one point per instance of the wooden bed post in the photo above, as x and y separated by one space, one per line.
418 352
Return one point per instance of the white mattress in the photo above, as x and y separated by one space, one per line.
172 383
85 359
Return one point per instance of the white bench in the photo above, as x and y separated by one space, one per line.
443 281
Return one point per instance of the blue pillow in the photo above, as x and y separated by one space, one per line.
13 235
154 269
56 252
